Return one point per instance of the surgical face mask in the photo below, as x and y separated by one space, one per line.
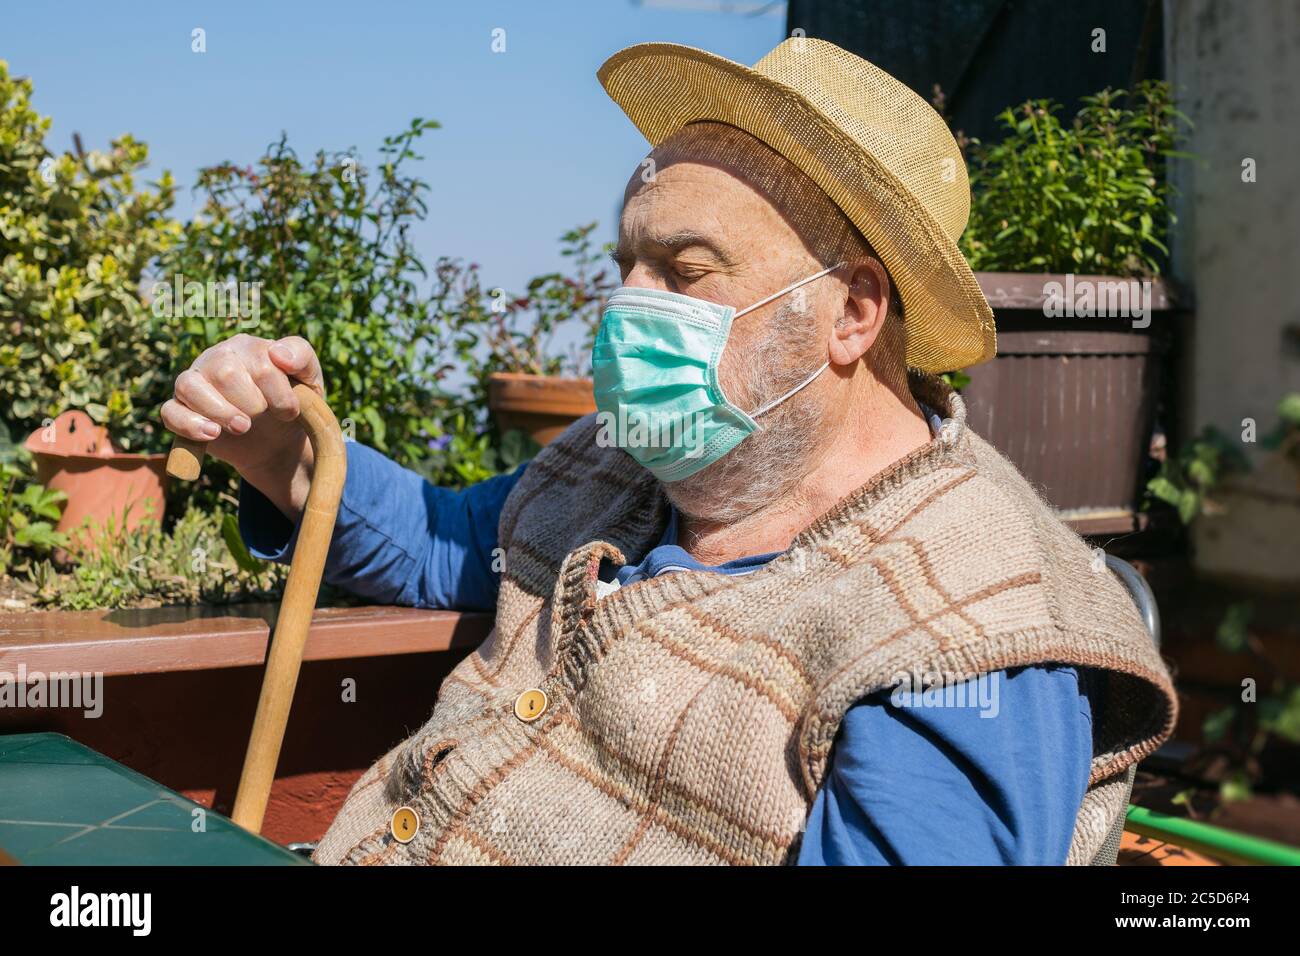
655 368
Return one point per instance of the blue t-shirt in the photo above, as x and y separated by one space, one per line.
992 771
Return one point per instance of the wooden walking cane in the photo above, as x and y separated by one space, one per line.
285 657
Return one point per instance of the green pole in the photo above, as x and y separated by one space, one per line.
1211 841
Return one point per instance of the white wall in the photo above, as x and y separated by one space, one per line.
1236 71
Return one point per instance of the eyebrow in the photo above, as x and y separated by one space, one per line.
676 242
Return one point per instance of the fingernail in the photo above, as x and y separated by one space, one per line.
281 352
240 424
210 430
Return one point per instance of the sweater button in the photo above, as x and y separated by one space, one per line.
404 824
530 705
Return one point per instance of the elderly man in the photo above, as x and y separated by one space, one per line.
824 622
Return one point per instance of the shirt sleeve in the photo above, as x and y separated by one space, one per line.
398 539
998 782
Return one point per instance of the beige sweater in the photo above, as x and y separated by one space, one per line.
689 718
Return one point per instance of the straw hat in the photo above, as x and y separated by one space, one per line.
878 150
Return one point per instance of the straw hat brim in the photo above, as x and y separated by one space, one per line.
664 86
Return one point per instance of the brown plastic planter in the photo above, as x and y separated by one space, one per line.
1071 401
542 406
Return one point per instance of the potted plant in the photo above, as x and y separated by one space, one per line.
1067 235
101 483
537 346
80 347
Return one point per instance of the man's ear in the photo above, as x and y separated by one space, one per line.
866 303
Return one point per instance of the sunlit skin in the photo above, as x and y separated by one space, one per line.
699 230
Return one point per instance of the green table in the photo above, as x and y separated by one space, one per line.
62 803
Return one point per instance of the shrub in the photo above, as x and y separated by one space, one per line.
1089 198
328 242
76 239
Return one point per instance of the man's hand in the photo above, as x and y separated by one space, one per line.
238 397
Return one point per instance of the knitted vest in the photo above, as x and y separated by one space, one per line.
689 718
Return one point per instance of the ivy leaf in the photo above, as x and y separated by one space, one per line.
1281 715
1216 725
1236 787
1289 408
1233 630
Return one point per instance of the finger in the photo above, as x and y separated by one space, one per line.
294 356
276 389
227 368
187 423
196 392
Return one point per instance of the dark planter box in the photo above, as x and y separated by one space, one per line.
1071 401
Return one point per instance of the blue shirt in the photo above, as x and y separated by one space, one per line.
994 777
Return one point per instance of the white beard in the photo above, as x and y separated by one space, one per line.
767 466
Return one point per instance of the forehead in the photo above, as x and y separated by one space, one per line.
673 179
685 193
715 177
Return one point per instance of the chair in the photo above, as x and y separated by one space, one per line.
1145 600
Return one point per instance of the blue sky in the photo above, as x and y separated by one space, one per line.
529 146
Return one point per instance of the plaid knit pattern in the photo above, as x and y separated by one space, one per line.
691 716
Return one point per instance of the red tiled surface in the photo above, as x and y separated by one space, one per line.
1138 850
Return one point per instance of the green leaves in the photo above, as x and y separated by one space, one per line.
1186 500
201 560
83 245
1289 409
39 535
1188 479
328 239
1233 633
27 516
1216 725
41 501
78 239
1091 197
1280 714
956 380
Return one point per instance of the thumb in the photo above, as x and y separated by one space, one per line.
294 356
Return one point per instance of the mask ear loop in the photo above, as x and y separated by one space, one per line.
825 365
802 385
789 288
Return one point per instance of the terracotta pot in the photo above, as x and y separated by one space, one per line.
76 456
540 405
1071 401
